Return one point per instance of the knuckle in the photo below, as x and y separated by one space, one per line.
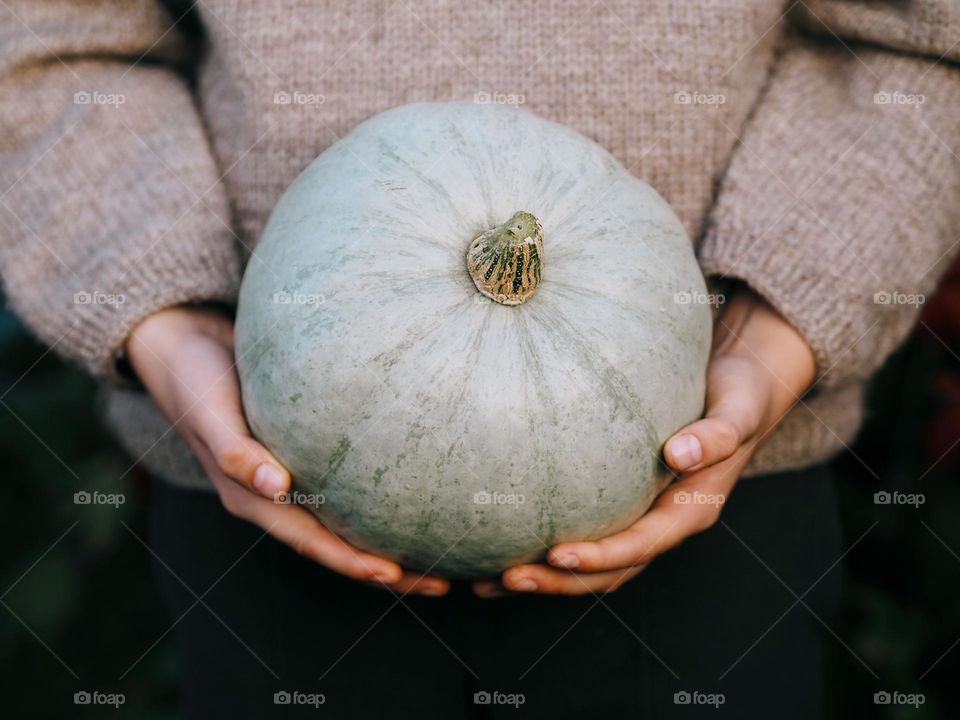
727 436
303 546
231 458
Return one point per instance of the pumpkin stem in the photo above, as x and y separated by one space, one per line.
506 261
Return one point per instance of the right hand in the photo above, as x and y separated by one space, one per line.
184 357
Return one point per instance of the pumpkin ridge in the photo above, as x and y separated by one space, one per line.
422 402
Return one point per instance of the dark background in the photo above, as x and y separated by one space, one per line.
88 600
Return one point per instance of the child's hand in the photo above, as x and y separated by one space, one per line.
759 368
184 357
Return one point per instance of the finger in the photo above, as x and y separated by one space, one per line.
218 422
307 536
537 578
296 527
733 415
735 405
489 588
247 462
412 583
685 508
703 443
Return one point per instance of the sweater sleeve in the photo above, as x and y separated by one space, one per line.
111 204
840 204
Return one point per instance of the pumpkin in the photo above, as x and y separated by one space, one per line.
468 332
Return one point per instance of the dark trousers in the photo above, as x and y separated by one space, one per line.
712 629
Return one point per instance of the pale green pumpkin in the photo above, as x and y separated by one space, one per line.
470 330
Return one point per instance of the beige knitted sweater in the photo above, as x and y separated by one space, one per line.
809 147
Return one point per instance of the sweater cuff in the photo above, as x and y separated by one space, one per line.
836 207
801 289
102 316
125 214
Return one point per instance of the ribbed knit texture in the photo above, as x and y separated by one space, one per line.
767 131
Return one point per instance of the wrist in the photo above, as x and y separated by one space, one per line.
156 336
149 332
752 329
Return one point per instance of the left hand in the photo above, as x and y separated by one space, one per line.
759 368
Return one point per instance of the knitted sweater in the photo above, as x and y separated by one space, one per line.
808 147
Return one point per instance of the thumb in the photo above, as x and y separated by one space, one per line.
705 442
733 416
219 425
242 459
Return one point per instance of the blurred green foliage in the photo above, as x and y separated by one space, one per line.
78 597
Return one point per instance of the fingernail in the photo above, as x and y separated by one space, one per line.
268 480
566 560
686 451
525 585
